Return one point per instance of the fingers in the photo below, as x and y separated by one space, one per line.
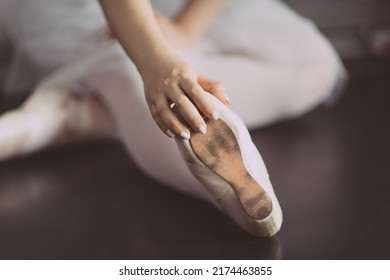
200 98
167 120
170 124
188 92
215 88
187 109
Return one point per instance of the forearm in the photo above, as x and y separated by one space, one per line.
136 17
198 15
167 78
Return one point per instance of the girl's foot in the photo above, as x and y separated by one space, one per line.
227 163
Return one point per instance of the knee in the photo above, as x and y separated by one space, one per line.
317 83
322 75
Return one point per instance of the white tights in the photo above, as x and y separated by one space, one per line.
273 63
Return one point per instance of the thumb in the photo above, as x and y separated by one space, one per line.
215 88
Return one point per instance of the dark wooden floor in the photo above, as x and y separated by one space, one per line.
330 169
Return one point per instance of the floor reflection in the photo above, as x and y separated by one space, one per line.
23 187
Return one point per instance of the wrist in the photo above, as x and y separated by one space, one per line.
155 61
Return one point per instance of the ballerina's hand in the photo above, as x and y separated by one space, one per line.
171 80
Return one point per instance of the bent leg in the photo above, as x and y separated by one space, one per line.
263 93
113 77
274 63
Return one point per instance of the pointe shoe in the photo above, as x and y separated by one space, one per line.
227 163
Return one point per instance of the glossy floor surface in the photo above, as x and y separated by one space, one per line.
330 169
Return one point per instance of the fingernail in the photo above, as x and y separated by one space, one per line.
227 98
215 115
185 135
202 129
170 134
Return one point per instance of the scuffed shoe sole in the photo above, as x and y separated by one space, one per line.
219 151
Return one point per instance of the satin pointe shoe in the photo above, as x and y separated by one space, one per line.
229 166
